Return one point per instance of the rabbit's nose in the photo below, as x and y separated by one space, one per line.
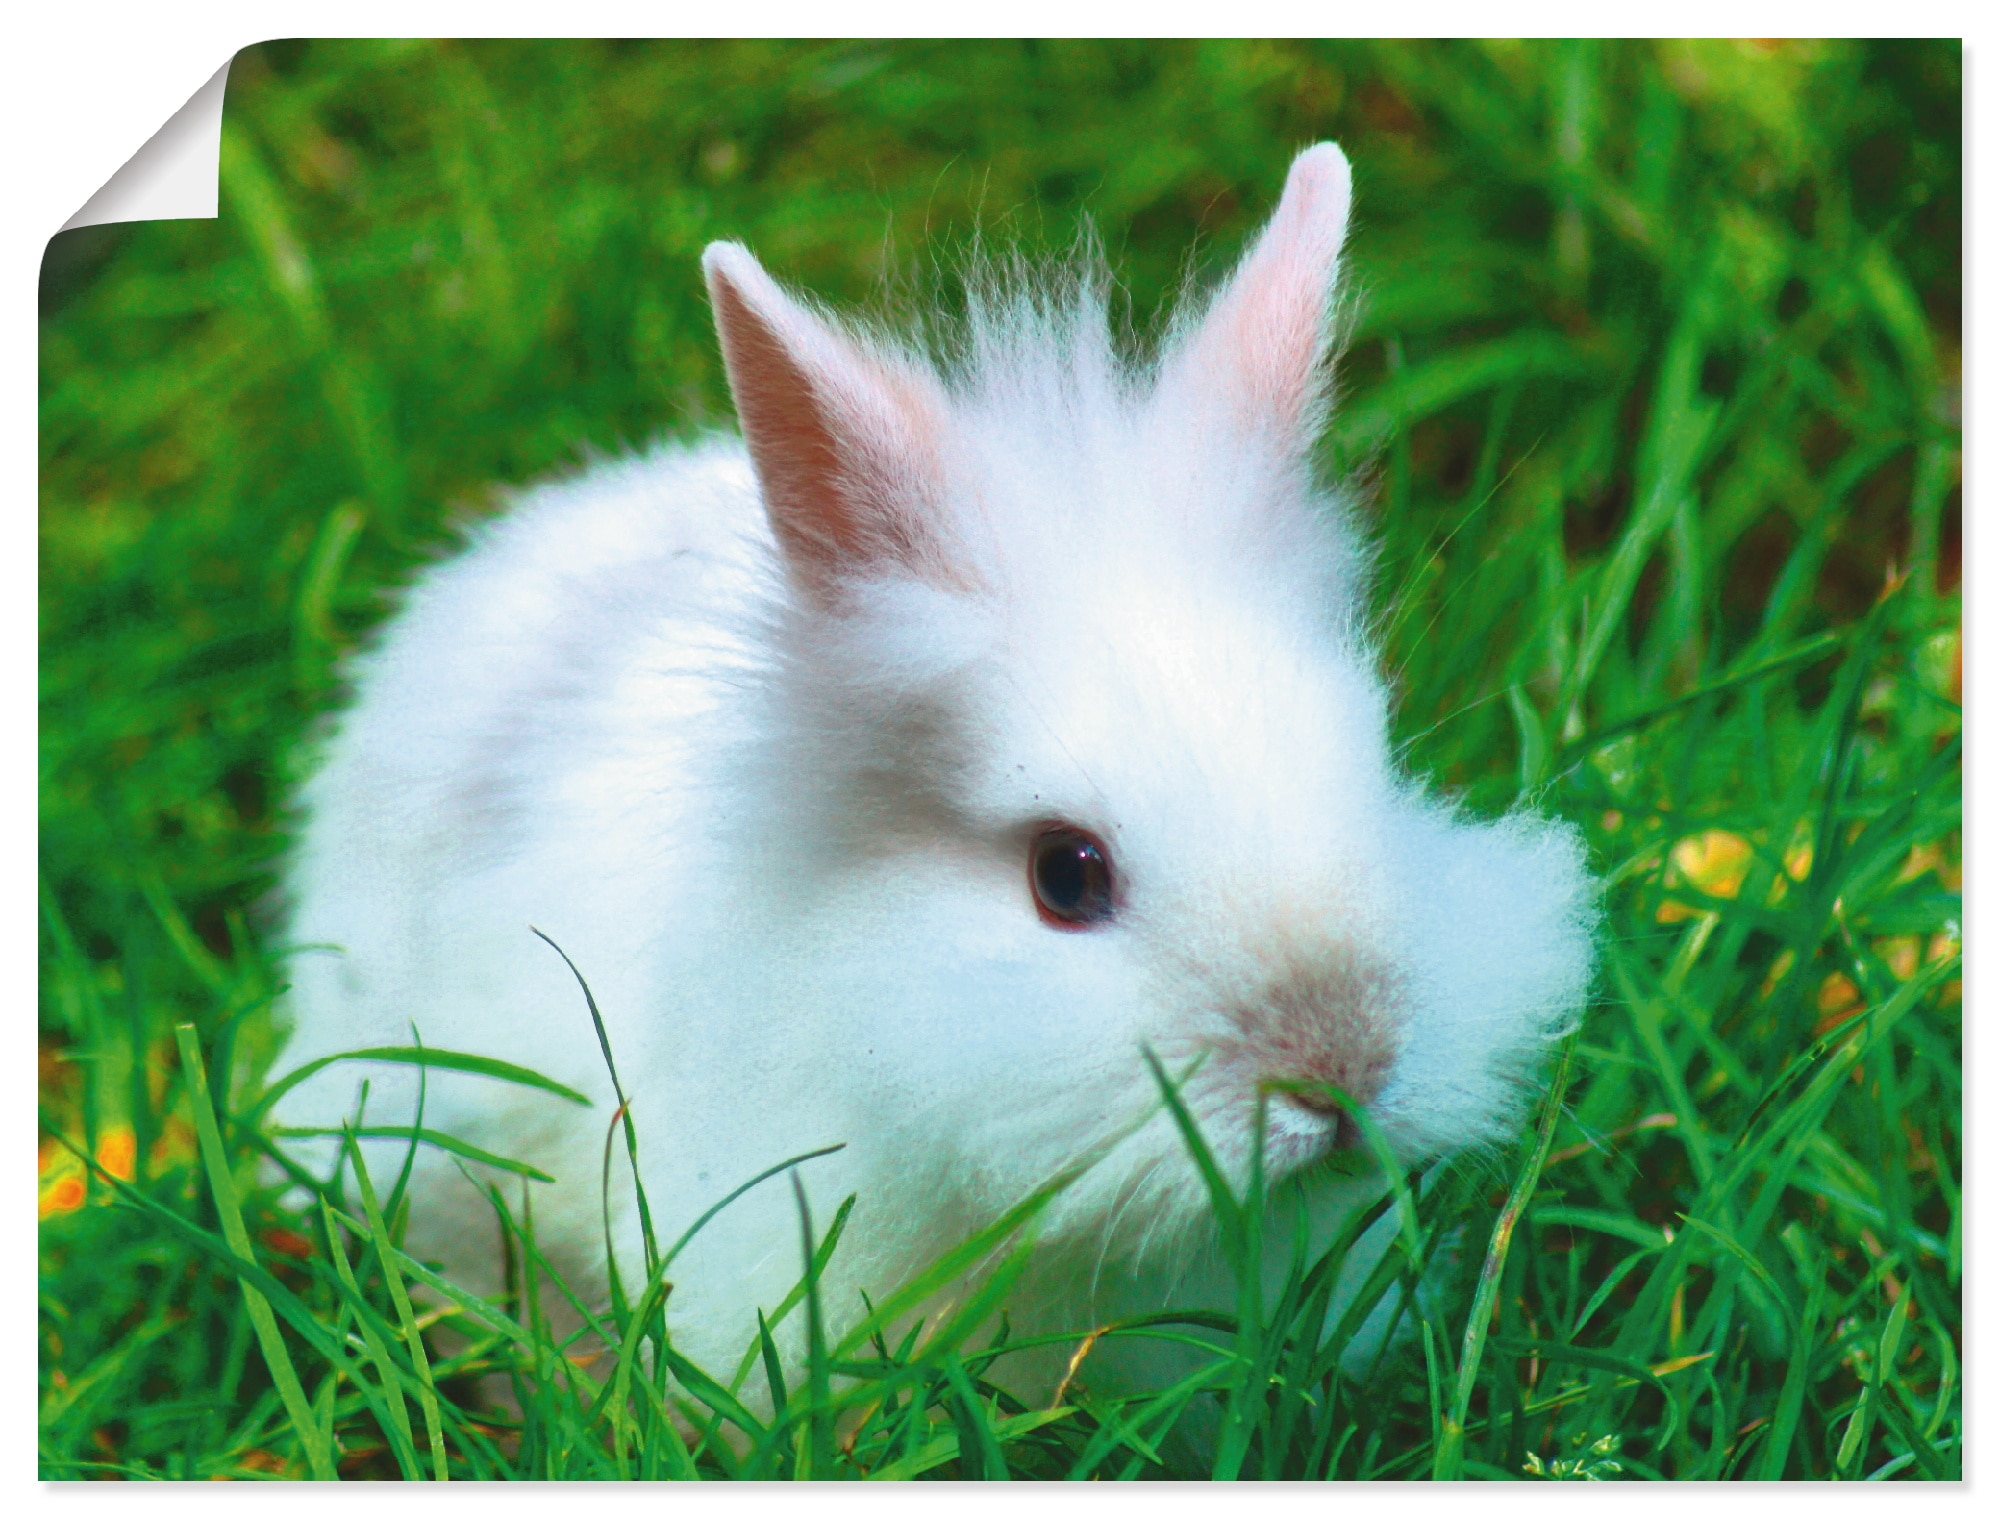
1333 1021
1346 1133
1356 1061
1361 1087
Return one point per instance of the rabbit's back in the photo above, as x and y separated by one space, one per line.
566 728
524 747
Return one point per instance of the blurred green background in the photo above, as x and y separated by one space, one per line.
1651 393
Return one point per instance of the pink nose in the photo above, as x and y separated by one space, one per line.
1361 1073
1322 1103
1331 1022
1346 1133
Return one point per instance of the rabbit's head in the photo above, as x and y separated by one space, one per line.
1078 747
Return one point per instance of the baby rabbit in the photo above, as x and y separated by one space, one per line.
897 776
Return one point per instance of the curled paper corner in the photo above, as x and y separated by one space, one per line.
175 176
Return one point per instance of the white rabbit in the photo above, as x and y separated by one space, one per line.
896 776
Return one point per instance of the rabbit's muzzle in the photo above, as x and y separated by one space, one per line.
1332 1021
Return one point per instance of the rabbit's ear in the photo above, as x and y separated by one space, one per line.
1253 364
846 440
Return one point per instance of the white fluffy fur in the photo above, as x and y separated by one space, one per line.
784 834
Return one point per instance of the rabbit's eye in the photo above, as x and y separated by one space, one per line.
1070 872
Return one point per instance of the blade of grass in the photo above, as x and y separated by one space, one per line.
222 1186
1222 1198
443 1060
793 1298
1447 1464
819 1427
774 1371
1792 1395
979 1454
1855 1440
399 1434
624 1104
450 1143
393 1210
413 1342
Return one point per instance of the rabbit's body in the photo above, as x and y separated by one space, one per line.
806 756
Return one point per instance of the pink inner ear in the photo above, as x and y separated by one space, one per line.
789 434
846 444
1257 353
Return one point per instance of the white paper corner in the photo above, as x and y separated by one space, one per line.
175 175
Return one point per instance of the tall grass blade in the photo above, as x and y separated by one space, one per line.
979 1454
451 1144
819 1426
222 1186
398 1432
624 1104
1448 1463
420 1055
413 1342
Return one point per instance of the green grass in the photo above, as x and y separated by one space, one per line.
1653 380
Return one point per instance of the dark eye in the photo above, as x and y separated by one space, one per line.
1070 872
